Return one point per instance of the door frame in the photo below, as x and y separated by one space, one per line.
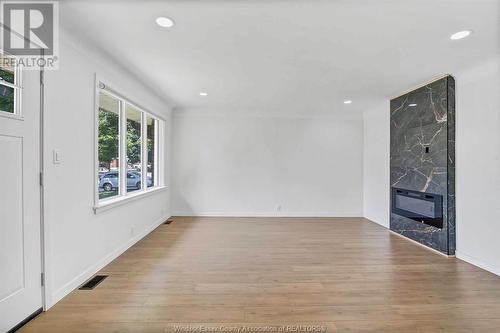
43 242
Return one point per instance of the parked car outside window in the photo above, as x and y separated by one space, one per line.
109 181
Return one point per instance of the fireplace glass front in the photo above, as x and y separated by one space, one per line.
419 206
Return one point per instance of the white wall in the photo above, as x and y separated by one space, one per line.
478 166
376 151
477 170
78 242
230 164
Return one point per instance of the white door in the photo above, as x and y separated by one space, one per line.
20 246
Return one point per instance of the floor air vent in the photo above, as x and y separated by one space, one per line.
92 283
170 220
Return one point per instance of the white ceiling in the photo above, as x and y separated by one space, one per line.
288 56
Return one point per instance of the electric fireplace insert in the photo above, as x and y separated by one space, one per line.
419 206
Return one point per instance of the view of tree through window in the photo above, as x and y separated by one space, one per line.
152 128
108 146
134 166
7 90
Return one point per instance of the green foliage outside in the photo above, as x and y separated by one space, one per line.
6 76
6 93
133 142
151 143
108 137
108 149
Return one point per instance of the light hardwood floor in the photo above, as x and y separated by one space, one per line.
346 274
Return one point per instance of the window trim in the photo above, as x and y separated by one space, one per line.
18 87
121 200
124 196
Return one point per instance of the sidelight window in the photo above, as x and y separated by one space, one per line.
10 86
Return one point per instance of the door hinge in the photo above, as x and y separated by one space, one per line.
42 279
41 178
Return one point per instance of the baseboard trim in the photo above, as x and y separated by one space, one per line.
478 263
89 272
421 245
382 224
266 214
411 240
458 254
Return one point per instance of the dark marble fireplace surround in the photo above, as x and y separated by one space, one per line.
422 158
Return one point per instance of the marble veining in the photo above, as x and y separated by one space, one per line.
422 157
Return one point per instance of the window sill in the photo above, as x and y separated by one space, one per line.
9 115
112 203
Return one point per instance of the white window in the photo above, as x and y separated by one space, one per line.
10 86
128 158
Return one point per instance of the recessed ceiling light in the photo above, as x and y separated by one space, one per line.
165 22
348 102
203 94
412 104
460 34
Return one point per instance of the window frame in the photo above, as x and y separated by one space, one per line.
123 196
18 87
156 147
